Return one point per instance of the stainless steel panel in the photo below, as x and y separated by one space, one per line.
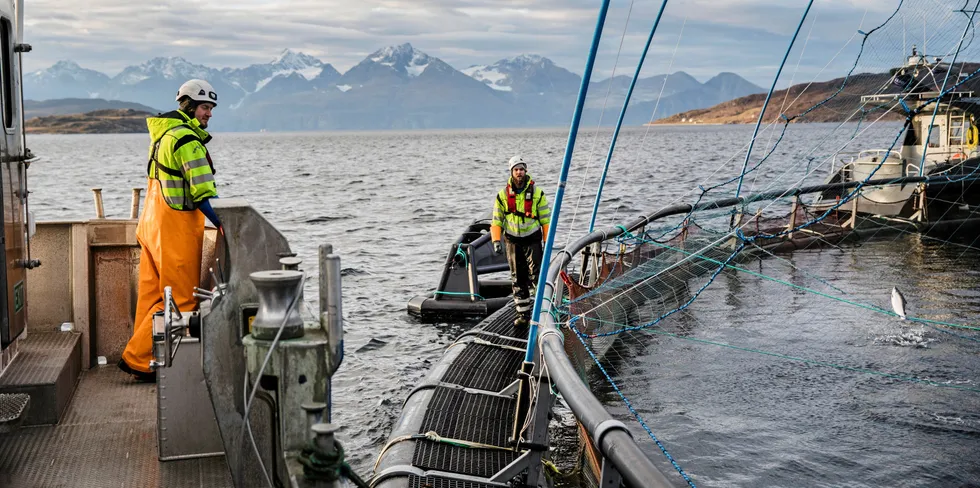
186 427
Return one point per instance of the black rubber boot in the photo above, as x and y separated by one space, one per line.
521 323
140 376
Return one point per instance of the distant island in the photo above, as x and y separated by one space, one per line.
835 101
105 121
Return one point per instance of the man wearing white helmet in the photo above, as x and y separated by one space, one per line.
521 214
180 182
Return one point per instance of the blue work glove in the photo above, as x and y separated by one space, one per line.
497 249
205 207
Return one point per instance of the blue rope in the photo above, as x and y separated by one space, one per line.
857 189
629 404
788 120
686 304
964 177
622 115
532 337
935 110
762 113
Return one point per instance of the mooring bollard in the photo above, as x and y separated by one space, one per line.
99 211
134 211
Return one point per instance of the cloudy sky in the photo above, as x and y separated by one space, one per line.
748 37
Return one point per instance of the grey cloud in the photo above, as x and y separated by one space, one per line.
744 36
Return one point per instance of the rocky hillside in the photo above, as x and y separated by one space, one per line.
110 121
69 106
800 98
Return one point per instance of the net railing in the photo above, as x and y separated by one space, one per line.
683 268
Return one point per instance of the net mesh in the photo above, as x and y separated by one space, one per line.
783 258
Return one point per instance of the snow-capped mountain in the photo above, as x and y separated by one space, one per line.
403 59
155 82
393 87
289 62
396 87
527 73
392 65
173 68
64 79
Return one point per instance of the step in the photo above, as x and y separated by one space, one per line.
47 369
13 407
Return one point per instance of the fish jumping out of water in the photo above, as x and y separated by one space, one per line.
898 303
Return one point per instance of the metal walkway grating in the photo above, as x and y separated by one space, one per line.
485 463
484 367
41 360
12 405
502 322
473 417
107 438
436 482
499 340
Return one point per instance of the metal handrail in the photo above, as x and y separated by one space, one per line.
878 152
615 443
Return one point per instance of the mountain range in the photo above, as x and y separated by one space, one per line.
396 87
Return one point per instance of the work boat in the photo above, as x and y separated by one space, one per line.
242 394
925 176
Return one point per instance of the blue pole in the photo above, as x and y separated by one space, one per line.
925 147
622 115
758 123
532 339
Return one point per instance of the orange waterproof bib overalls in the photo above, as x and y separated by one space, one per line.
172 241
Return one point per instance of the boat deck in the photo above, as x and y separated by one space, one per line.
108 437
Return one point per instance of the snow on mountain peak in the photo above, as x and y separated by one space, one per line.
490 75
525 60
403 58
518 72
65 65
294 60
172 68
66 69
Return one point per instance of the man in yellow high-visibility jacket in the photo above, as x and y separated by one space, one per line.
171 228
522 214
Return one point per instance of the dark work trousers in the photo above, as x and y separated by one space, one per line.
524 258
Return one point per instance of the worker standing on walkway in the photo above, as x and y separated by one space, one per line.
180 182
521 214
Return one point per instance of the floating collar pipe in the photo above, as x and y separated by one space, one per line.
532 338
622 115
762 113
616 443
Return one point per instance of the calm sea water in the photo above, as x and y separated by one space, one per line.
391 203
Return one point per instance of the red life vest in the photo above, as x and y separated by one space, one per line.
528 200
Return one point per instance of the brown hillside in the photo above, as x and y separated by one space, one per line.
841 107
108 121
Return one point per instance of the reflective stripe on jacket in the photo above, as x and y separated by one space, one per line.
179 160
518 224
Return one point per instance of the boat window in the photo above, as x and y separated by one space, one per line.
934 136
7 73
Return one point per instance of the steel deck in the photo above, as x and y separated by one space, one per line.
108 437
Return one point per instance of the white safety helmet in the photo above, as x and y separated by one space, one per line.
199 91
514 161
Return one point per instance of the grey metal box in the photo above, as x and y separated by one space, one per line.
186 427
